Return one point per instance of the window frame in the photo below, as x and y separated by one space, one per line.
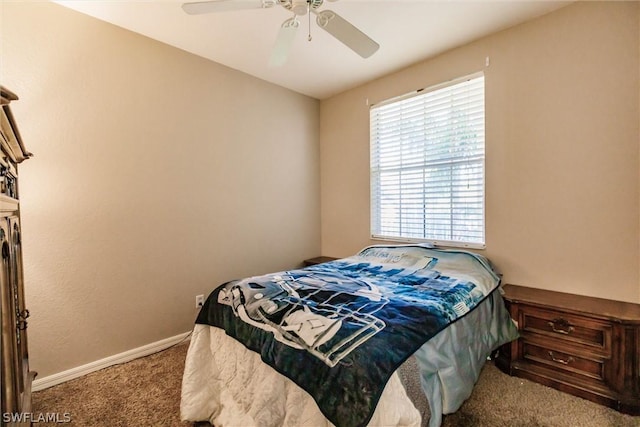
437 242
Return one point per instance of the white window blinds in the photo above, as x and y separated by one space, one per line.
427 165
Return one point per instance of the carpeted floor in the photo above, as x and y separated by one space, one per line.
146 392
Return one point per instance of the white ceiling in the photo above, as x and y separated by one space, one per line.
407 31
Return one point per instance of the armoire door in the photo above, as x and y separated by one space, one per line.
9 366
21 313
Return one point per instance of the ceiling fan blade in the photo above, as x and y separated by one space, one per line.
200 7
347 33
284 42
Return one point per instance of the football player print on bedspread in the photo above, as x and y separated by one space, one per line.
327 313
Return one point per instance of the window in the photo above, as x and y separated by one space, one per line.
427 165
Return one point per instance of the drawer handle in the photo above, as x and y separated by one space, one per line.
564 326
562 361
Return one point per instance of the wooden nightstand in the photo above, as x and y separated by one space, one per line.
318 260
588 347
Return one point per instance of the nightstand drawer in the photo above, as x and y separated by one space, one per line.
568 327
589 368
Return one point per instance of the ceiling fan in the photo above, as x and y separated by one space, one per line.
328 20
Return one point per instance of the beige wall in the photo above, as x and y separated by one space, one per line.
562 149
157 175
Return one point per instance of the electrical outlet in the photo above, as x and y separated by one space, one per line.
199 301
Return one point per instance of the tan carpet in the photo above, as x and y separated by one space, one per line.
146 392
143 392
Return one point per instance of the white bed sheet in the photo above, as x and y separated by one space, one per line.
228 385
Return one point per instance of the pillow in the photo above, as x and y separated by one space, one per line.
426 245
404 256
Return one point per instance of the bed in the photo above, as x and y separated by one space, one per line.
340 343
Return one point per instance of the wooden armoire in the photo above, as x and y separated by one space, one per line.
15 373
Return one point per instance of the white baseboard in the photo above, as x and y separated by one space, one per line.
145 350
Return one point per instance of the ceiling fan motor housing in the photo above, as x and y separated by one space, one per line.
300 7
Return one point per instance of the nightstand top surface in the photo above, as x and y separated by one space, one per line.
605 308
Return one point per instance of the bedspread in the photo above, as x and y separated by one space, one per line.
340 330
230 386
